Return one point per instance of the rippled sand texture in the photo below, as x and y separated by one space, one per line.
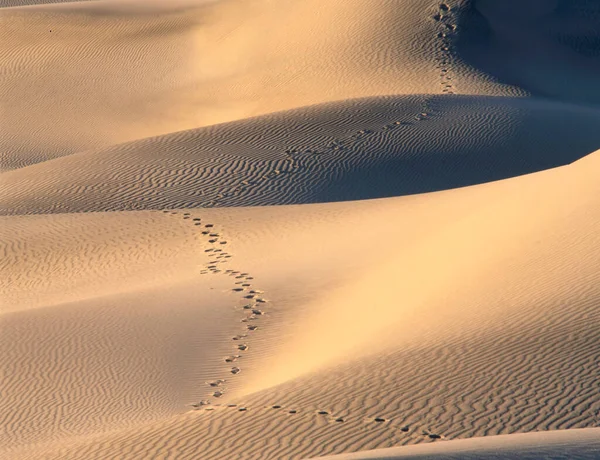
288 230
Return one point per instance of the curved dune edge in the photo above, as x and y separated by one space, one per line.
575 444
342 151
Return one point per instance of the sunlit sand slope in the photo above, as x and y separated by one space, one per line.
572 444
118 71
463 313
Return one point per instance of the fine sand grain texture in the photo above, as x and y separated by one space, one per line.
249 229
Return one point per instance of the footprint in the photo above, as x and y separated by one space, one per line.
218 394
379 419
204 402
235 370
339 419
252 328
242 347
405 429
217 383
209 225
231 359
257 312
276 407
293 411
322 412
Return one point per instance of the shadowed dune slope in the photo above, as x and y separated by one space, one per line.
547 47
488 325
365 148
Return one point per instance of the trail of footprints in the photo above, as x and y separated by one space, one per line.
253 309
254 305
389 424
447 29
242 284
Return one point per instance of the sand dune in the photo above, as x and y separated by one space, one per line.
265 230
368 148
200 63
410 340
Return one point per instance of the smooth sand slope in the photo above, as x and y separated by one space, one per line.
248 229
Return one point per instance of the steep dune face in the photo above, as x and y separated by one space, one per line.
548 47
282 230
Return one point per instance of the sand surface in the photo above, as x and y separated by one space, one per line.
240 229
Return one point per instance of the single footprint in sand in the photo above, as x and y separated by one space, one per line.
231 359
243 347
216 383
204 402
235 370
